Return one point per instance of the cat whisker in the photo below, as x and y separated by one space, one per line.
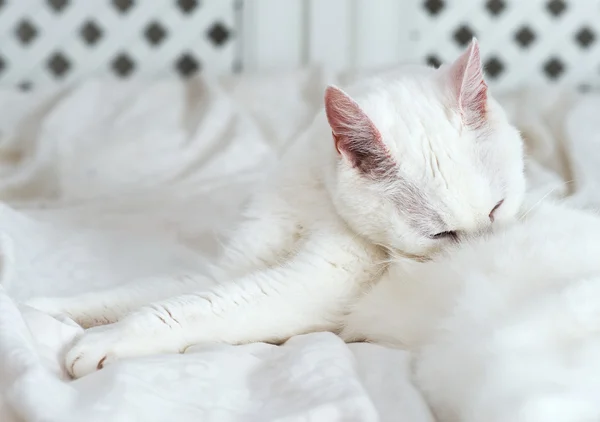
543 198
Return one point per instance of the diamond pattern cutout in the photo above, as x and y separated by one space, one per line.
463 35
494 67
123 65
585 37
433 61
58 65
122 6
91 33
26 32
554 68
155 34
495 7
187 6
187 65
524 37
25 86
58 5
556 7
434 7
218 34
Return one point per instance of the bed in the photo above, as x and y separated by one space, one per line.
112 181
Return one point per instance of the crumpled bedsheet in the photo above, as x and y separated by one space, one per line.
109 181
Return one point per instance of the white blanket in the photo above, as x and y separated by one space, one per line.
109 182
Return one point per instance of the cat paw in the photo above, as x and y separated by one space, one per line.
98 347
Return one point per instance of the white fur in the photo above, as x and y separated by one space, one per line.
506 327
321 231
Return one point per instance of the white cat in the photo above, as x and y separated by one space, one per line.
403 164
505 327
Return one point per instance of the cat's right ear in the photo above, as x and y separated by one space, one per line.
355 136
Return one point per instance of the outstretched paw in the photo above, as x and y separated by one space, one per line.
100 346
103 345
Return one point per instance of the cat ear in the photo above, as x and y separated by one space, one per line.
466 78
356 137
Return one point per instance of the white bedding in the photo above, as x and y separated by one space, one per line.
109 182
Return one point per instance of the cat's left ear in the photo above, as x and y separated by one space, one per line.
469 87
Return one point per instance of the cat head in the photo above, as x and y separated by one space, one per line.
424 156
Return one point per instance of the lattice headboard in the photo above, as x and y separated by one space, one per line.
49 42
545 41
45 42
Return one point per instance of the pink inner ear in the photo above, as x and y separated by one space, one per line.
346 118
466 75
355 135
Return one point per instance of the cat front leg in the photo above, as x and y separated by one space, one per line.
266 237
260 241
110 305
310 293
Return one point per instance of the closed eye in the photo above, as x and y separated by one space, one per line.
445 235
491 215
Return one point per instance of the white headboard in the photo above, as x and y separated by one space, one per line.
46 42
523 41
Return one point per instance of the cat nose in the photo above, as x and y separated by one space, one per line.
493 211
